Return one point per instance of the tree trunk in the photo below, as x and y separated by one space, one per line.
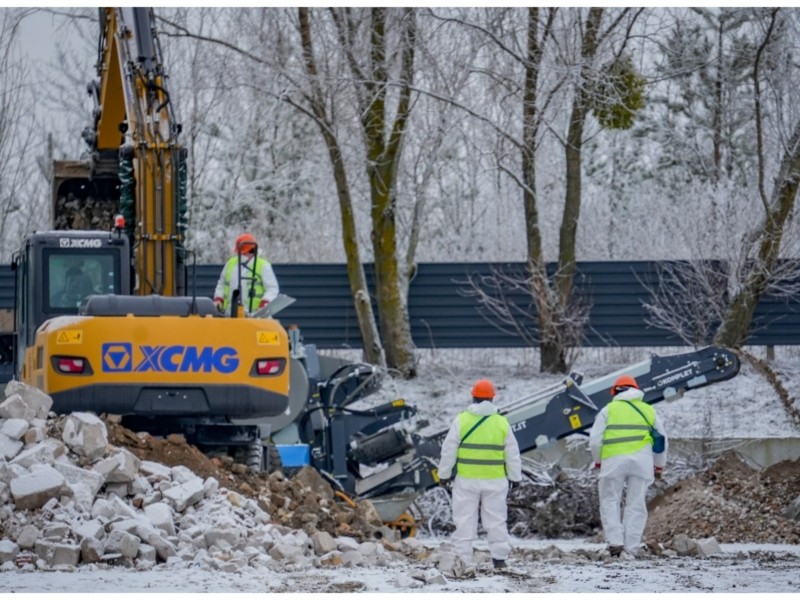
554 345
737 321
382 159
373 349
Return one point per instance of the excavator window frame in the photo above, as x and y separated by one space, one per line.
103 263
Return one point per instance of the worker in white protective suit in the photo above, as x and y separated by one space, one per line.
482 450
621 442
259 284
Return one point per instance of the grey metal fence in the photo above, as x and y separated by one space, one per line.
444 314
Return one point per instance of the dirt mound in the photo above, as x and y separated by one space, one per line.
731 502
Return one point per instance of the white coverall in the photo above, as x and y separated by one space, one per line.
486 495
634 470
268 280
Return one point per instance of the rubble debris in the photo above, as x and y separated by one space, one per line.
90 492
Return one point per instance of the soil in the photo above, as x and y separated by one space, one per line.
732 502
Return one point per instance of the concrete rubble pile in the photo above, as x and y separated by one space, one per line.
69 499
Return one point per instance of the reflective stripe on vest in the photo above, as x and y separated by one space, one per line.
626 432
482 455
248 275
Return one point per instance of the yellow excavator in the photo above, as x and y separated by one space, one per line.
102 319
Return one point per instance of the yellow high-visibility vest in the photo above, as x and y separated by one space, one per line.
250 276
626 431
482 454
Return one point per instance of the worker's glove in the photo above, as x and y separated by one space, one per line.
263 303
597 465
218 302
513 485
446 484
658 472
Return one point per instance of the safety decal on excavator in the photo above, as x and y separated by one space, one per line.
575 421
70 336
119 357
267 338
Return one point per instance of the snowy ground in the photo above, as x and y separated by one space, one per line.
776 569
745 407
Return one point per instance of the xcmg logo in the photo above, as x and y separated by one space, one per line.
118 357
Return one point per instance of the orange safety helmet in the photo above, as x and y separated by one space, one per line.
245 243
623 381
483 389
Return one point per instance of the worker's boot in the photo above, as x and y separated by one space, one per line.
498 563
615 551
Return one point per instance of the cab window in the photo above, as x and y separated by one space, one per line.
74 276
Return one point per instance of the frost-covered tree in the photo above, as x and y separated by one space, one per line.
18 147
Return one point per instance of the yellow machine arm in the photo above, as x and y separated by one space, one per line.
134 119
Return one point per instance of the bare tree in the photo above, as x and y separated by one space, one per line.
16 135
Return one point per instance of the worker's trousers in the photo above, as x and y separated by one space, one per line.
486 497
625 531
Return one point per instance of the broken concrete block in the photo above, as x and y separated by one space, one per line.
164 548
33 435
14 428
45 550
73 475
122 542
27 537
323 543
120 467
128 467
345 543
230 535
66 555
368 548
181 474
139 486
102 509
91 550
282 551
708 547
684 545
90 529
8 551
155 471
33 397
352 558
35 489
160 515
58 448
15 407
55 531
185 494
117 489
122 509
86 435
147 553
40 453
210 487
9 447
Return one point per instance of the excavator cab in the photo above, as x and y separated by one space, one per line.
56 271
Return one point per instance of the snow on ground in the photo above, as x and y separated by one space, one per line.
776 570
743 407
